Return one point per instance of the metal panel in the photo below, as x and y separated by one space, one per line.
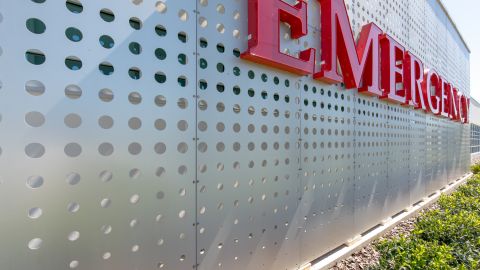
98 170
443 159
371 162
434 175
327 154
187 156
248 159
398 159
418 155
327 167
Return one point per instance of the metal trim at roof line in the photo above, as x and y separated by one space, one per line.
444 8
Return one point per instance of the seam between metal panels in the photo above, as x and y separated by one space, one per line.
196 137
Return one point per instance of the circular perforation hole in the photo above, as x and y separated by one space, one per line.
106 41
35 212
35 243
161 30
105 149
134 148
135 98
203 22
35 88
182 36
74 264
160 77
105 122
35 26
135 123
135 73
34 182
220 28
106 68
161 6
105 95
35 150
183 15
160 124
73 178
74 6
135 23
107 15
135 48
73 120
73 34
160 54
73 236
73 63
73 91
35 56
220 8
73 149
73 207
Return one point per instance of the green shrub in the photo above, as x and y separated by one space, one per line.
446 238
460 231
407 253
459 202
475 168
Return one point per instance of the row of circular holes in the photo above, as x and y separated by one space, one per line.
160 53
76 7
36 119
74 63
220 8
108 16
37 57
134 46
74 179
33 244
36 88
37 150
160 264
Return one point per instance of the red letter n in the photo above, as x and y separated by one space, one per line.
454 104
357 62
264 17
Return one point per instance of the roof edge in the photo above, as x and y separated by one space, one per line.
444 8
472 99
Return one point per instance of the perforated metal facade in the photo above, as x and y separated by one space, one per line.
134 137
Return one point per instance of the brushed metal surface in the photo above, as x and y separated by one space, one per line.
132 136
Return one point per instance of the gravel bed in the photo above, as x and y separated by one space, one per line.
369 256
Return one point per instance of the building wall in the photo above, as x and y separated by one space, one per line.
475 129
152 145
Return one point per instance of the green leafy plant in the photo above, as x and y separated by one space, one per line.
475 168
460 231
446 238
410 253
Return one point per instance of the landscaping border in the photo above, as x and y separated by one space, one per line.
343 251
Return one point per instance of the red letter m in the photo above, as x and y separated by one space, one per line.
360 63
